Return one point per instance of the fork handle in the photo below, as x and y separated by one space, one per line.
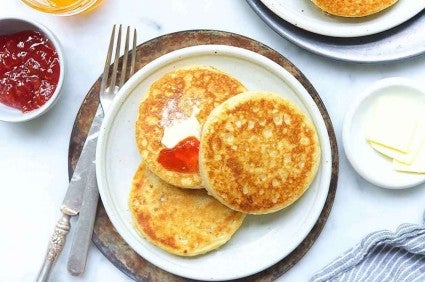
56 243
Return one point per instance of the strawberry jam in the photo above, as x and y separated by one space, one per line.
183 157
29 70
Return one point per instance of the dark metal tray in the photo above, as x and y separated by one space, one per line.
107 239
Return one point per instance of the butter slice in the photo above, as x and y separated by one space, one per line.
407 158
418 164
393 123
392 153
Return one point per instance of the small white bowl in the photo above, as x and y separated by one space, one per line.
13 25
370 164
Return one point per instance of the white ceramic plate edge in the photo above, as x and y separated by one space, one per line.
326 162
373 24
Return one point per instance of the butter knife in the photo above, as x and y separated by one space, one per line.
84 229
72 202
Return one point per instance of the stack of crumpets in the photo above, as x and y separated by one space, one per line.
353 8
169 206
213 152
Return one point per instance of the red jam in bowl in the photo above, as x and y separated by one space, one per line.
29 70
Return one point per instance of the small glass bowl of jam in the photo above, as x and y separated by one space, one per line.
63 7
31 69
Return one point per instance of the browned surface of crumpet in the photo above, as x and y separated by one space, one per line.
181 221
259 153
174 95
353 8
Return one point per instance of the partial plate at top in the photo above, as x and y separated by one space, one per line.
262 240
404 41
306 15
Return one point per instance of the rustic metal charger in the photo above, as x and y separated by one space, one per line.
107 239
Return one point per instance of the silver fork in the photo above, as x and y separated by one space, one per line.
84 229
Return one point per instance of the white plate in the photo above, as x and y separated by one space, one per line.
404 41
262 240
306 15
370 164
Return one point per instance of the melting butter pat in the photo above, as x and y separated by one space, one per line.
180 127
179 130
393 123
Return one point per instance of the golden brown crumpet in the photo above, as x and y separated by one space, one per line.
353 8
176 96
259 153
181 221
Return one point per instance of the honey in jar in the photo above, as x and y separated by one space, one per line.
63 7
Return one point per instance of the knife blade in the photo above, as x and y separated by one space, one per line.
73 199
83 231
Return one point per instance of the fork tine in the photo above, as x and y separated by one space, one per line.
133 53
115 66
124 63
107 62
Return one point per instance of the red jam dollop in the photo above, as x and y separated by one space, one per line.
183 157
29 70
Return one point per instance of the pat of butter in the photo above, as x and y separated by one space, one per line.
408 157
418 164
179 130
177 126
393 123
394 154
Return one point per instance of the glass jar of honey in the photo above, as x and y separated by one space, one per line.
63 7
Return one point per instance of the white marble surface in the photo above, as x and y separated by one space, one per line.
33 155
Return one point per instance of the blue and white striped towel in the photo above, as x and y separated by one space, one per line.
381 256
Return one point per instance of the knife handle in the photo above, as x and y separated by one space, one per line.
56 243
84 228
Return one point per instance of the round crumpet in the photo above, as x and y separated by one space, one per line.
353 8
173 113
183 222
259 152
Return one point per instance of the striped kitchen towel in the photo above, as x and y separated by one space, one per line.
381 256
